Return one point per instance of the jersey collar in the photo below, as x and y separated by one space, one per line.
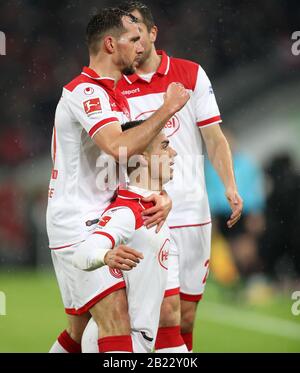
134 192
106 82
163 68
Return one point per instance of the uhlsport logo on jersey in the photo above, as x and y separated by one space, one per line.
164 254
2 44
171 127
91 106
89 91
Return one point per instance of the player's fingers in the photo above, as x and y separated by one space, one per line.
154 220
159 226
232 222
235 219
135 253
152 197
125 267
235 214
122 262
151 210
129 256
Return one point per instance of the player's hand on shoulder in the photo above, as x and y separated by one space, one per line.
122 257
157 214
176 97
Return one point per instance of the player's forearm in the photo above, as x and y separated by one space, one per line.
220 156
136 140
90 254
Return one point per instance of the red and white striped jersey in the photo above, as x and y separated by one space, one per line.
88 103
145 95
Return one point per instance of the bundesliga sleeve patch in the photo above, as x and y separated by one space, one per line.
104 221
92 105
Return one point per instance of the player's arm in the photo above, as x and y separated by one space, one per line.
219 154
208 117
105 246
135 140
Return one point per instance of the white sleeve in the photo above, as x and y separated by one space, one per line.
206 107
93 111
116 227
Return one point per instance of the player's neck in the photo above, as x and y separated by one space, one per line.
144 181
151 64
105 68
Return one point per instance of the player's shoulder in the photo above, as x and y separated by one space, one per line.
185 71
85 87
183 63
129 206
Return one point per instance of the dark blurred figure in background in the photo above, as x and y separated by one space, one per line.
280 245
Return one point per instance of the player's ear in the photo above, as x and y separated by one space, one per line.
109 44
153 34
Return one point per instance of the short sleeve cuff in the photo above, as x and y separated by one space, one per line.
101 124
209 121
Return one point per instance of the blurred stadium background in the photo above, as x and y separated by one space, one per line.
245 47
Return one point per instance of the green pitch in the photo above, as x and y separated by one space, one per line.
35 316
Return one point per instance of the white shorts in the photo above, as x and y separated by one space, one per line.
145 287
81 290
189 261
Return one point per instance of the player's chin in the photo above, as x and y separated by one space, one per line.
169 178
129 70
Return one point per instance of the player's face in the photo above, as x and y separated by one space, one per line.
161 159
147 38
129 47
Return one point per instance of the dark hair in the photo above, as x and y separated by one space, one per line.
108 19
128 125
130 6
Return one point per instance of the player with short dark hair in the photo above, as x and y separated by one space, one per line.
88 122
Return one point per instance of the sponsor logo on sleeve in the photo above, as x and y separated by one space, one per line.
92 106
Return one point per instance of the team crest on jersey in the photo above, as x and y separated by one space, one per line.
104 221
115 272
89 91
92 106
164 254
